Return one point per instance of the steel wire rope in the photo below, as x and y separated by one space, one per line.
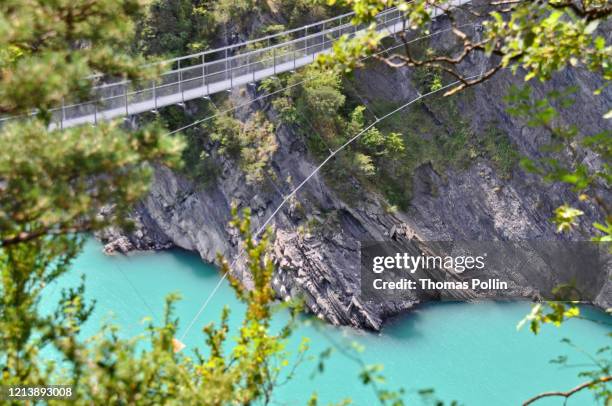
296 189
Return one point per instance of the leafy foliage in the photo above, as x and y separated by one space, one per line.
315 103
600 362
553 312
543 39
301 12
175 27
108 369
55 182
386 157
50 48
563 156
538 37
237 10
198 162
252 143
53 186
251 371
562 162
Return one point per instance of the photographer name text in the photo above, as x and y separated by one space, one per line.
453 264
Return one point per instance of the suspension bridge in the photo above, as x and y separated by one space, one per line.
213 71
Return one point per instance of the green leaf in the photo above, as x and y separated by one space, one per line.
591 27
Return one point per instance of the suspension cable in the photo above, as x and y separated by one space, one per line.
313 173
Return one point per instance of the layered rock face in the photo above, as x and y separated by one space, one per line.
321 262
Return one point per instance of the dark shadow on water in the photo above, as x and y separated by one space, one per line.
596 315
185 260
406 325
195 264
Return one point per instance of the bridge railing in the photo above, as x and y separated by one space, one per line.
209 72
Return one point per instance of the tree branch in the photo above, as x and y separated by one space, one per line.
570 392
53 230
590 14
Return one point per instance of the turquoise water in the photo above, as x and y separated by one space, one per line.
469 352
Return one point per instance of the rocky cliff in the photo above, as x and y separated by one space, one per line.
318 232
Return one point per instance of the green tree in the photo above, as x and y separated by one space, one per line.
251 144
316 102
54 185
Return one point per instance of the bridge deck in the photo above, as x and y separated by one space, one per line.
203 90
196 76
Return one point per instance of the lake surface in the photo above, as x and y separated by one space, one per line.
468 352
